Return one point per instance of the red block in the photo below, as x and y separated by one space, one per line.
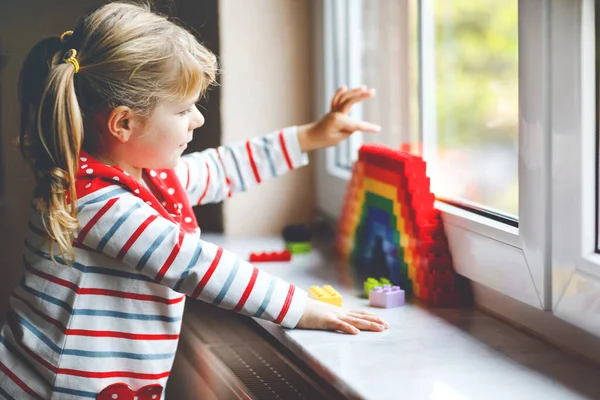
284 255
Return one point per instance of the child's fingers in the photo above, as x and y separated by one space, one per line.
347 124
336 97
344 326
349 93
352 93
363 324
361 312
368 317
349 102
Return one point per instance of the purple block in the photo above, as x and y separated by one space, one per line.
386 297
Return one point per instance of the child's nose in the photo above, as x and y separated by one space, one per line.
198 120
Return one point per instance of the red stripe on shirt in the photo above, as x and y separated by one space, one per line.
129 295
207 183
286 305
89 374
112 374
248 290
122 335
50 278
99 291
252 163
284 150
135 236
225 172
19 382
208 273
93 333
96 218
161 274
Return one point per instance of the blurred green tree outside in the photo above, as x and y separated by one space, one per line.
477 101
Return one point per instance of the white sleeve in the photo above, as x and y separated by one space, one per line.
213 175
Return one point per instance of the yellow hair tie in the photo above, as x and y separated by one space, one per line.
69 57
65 33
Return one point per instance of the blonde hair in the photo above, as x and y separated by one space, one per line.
128 55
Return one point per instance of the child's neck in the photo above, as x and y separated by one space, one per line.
135 172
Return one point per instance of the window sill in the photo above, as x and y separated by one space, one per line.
465 336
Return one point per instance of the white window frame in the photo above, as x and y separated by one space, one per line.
575 262
513 261
343 26
333 67
331 180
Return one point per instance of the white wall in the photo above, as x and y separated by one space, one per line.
266 58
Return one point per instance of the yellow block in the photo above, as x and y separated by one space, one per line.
326 294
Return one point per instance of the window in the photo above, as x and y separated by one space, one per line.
371 42
530 91
360 52
467 85
451 66
575 261
470 106
342 33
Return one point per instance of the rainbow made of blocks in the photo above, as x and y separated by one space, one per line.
390 228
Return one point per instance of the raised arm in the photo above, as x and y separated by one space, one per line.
213 175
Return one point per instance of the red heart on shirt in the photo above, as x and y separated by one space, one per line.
122 391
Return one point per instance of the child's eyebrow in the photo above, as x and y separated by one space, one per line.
197 100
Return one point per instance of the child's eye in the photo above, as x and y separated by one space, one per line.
184 112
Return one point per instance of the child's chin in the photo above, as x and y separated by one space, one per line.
169 164
172 164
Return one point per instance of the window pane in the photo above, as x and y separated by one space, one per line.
472 143
389 63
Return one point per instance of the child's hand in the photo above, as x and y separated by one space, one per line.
320 315
336 125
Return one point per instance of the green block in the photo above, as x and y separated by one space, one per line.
370 283
299 247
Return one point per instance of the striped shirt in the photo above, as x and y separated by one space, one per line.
114 316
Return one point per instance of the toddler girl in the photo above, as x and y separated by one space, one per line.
113 247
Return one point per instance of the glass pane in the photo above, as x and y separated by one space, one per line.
389 63
472 146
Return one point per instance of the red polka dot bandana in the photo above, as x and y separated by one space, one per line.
171 200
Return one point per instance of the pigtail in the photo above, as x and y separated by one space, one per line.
50 139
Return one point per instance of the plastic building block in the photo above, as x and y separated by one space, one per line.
273 256
370 284
299 247
296 233
390 227
326 294
386 296
297 239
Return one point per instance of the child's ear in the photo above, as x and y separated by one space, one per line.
119 124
